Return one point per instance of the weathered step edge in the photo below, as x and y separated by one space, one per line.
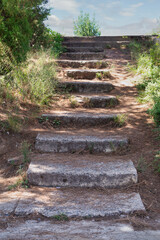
95 101
56 202
107 38
80 119
83 56
48 173
102 44
88 74
86 86
85 49
59 143
82 63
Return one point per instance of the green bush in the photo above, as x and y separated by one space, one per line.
148 66
84 26
21 24
54 41
6 59
34 79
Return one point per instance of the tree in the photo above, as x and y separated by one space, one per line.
84 26
21 24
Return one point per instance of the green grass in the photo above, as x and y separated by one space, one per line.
120 120
61 217
20 183
156 162
147 65
34 80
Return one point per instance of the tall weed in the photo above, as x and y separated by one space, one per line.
147 58
34 80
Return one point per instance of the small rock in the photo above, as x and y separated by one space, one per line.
15 160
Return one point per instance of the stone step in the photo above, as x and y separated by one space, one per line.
101 44
106 38
83 63
83 56
88 74
54 171
52 202
63 143
80 118
86 86
95 101
84 49
76 230
95 39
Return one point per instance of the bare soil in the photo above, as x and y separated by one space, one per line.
139 128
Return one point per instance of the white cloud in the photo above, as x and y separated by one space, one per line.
145 26
109 19
128 12
53 21
63 26
66 5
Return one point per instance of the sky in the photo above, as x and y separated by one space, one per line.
115 17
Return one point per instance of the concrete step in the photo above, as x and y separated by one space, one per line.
83 63
95 44
83 56
86 86
84 49
88 74
80 118
105 38
55 171
50 202
95 101
63 143
76 230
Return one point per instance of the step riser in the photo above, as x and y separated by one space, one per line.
94 45
83 56
81 120
80 87
81 64
97 102
69 144
90 75
64 180
106 38
54 202
81 49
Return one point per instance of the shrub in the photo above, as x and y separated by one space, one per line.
54 41
21 23
34 79
148 66
6 59
84 26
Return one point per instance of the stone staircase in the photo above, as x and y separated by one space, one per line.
81 173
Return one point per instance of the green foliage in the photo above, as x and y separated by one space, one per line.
147 58
33 80
21 24
84 26
6 58
54 41
156 163
99 76
25 152
61 217
20 183
120 120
